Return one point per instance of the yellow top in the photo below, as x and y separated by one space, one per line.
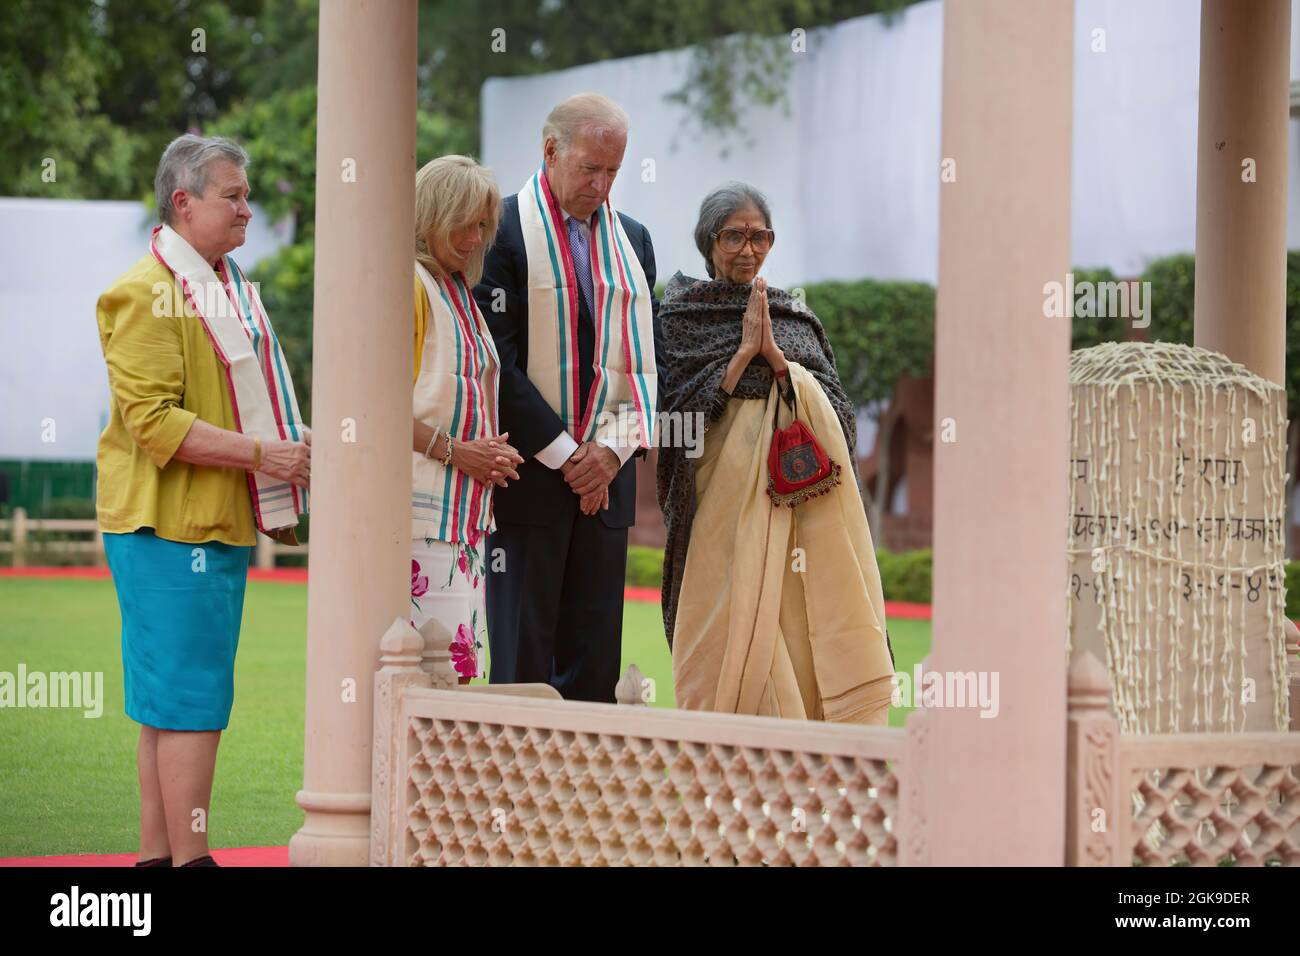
163 373
421 323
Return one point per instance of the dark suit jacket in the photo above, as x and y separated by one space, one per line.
541 496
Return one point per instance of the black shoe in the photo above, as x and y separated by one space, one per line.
205 860
156 861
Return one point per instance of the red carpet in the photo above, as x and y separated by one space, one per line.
245 856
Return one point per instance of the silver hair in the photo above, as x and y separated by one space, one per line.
185 163
718 207
585 112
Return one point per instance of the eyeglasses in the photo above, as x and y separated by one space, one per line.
733 240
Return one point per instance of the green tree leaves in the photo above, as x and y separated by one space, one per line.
880 331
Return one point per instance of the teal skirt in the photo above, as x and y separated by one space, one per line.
181 608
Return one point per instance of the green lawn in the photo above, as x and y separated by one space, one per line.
68 784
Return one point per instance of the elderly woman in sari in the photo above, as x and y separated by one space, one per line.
457 454
204 448
768 610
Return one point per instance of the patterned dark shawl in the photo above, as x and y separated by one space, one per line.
700 329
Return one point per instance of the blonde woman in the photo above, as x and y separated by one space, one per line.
457 457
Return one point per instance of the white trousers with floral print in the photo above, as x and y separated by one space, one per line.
447 587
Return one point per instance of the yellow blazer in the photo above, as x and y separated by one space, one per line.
163 374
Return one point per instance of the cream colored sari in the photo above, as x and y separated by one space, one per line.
781 611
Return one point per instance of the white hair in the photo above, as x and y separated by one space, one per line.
590 113
717 208
184 165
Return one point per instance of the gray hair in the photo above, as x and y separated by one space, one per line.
586 112
184 165
718 207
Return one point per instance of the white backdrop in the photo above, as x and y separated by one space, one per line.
56 257
852 172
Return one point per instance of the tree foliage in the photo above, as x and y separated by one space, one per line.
98 87
101 86
739 48
880 331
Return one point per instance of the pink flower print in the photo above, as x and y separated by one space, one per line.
462 562
473 536
419 582
462 653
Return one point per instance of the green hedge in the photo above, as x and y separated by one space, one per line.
1293 590
38 485
880 332
645 566
905 576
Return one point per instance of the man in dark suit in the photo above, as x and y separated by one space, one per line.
557 560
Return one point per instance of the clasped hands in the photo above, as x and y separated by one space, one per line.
489 460
588 471
756 336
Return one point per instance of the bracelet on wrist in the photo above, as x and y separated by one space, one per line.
428 451
257 453
446 458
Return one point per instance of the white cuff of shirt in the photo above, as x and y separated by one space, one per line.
557 452
623 452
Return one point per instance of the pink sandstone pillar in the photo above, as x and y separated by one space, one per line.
994 787
1241 224
361 405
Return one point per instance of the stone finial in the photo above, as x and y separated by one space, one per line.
401 646
437 655
628 689
1292 639
1088 684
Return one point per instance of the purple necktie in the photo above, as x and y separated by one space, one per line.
581 263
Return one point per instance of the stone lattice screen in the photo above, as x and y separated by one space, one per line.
1204 799
500 780
1212 799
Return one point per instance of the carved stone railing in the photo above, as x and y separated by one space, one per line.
1174 799
467 778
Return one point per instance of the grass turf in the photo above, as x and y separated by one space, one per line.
68 782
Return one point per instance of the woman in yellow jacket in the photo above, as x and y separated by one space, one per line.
204 447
